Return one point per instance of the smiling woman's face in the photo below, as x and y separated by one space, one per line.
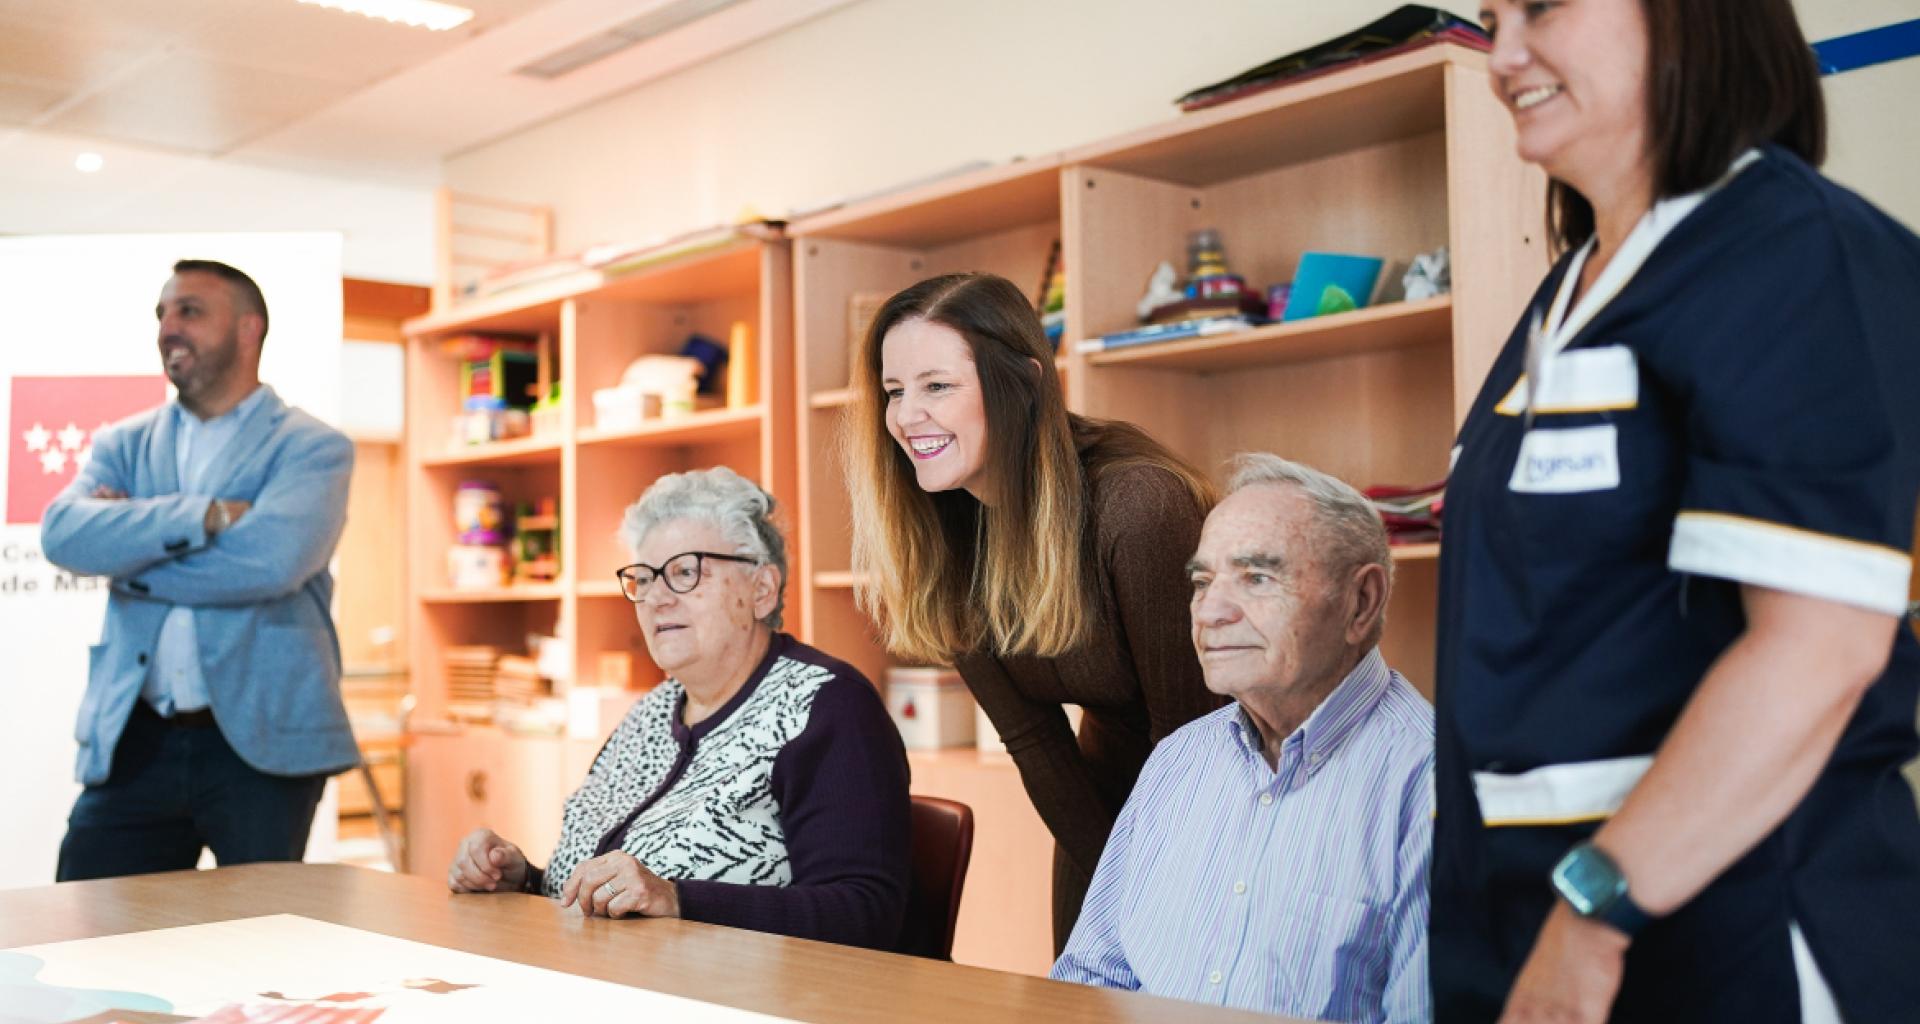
708 627
935 410
1573 74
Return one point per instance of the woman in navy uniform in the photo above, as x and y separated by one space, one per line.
1674 691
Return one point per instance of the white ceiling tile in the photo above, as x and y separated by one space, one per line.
189 102
62 58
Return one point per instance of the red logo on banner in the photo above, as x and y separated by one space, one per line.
51 436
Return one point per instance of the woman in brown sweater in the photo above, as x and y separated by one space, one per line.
1041 552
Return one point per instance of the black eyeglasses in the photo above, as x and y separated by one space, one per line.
682 573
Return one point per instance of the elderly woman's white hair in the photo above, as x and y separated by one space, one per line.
738 506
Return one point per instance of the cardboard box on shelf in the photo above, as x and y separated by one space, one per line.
931 706
615 669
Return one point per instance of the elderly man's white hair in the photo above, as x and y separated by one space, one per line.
1346 524
742 511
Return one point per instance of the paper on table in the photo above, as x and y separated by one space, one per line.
204 969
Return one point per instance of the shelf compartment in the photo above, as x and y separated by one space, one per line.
494 595
696 428
521 451
1390 326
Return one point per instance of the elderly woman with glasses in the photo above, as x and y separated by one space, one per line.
762 785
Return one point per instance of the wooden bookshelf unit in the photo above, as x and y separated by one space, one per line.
594 324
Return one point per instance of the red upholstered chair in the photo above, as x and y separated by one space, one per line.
942 846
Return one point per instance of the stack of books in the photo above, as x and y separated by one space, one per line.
516 679
470 682
1200 327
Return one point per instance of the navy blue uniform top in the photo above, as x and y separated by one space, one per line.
1744 409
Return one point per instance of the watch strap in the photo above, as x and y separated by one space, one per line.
1622 913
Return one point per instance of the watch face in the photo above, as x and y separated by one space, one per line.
1587 881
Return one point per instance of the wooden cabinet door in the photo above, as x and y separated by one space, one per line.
527 789
449 782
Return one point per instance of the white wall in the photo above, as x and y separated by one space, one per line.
387 230
80 306
885 91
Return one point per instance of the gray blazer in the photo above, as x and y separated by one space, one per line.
260 590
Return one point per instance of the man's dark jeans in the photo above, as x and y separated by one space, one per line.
174 789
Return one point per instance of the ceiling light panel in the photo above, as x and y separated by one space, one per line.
601 45
428 14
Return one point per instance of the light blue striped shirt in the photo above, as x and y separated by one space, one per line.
1299 890
174 681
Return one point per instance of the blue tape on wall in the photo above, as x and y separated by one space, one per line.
1865 49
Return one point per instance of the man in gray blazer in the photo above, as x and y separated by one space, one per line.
212 715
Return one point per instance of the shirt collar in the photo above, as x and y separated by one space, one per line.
233 415
1562 325
1333 721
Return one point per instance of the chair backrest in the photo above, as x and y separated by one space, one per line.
942 833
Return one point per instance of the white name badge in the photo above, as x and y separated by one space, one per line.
1568 461
1580 380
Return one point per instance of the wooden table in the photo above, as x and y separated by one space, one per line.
772 974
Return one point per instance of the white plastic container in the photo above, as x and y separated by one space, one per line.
623 408
931 707
476 566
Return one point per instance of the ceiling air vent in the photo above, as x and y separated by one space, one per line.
600 45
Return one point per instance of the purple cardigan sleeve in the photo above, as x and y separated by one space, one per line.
841 785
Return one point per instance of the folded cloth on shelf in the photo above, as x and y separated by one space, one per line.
1405 28
1411 514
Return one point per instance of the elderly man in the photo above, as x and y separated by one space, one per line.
1273 855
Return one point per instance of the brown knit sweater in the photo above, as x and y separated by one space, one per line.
1137 680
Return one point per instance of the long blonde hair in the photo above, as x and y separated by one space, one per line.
941 573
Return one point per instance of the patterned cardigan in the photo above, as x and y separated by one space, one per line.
785 811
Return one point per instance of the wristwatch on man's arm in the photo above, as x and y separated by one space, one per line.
1593 885
218 518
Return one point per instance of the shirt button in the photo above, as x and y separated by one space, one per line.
1239 887
1214 978
1266 799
